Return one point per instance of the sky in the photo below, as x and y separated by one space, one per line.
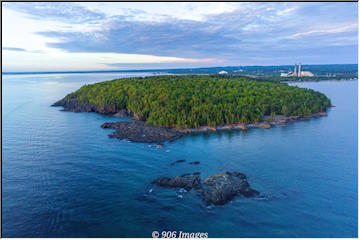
69 36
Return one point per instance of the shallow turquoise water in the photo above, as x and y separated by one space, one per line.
62 175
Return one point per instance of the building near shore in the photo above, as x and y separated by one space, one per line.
223 72
289 74
297 72
306 74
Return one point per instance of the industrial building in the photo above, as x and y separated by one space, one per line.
297 72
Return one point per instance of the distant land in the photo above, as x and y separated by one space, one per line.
270 73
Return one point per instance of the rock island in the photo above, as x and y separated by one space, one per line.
164 108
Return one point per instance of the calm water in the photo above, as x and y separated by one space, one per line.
62 175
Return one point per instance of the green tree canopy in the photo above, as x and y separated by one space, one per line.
197 100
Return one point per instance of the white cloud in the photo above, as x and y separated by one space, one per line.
20 31
351 27
286 11
153 11
96 35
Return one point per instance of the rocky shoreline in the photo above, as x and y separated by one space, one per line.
138 131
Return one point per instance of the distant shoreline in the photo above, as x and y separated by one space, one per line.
162 72
201 70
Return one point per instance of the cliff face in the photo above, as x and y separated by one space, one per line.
74 105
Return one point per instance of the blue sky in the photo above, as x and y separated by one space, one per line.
93 36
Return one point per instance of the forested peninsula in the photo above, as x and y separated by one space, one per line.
185 102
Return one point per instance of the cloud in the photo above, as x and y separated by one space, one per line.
14 49
351 27
179 38
61 11
229 35
236 33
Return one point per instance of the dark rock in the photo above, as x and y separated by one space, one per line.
177 161
217 190
185 174
194 162
187 182
74 105
138 131
223 187
121 113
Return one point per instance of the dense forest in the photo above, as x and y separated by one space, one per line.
197 100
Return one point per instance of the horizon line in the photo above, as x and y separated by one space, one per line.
155 69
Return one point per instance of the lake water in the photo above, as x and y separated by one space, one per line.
63 176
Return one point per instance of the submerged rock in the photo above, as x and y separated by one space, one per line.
177 161
187 182
194 162
185 174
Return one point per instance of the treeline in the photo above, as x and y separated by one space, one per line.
193 100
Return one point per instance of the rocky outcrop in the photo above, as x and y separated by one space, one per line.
217 190
122 113
138 131
223 187
74 105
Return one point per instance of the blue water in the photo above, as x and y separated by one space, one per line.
63 176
